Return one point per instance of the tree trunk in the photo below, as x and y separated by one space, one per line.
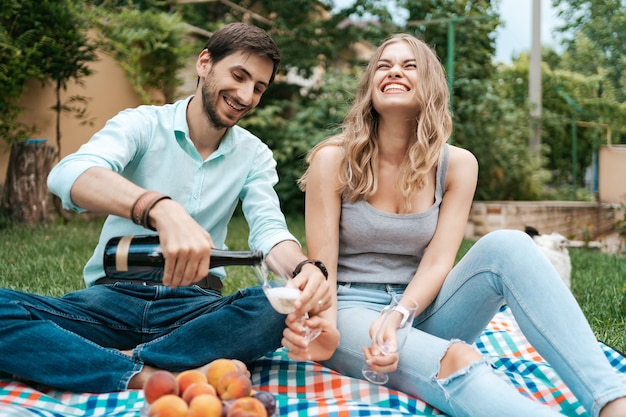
26 195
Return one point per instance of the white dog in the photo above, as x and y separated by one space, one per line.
554 246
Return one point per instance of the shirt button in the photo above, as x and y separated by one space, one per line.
195 196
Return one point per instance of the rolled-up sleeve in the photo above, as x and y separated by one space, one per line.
110 148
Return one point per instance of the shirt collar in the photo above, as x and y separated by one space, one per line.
181 132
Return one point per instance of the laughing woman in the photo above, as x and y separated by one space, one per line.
387 201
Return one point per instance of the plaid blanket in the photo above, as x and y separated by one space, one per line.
307 388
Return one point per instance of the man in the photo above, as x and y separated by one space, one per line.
180 170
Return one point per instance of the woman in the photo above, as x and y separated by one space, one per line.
387 201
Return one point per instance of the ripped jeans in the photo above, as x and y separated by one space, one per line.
503 267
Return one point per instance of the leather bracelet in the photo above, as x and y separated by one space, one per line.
142 206
149 206
136 211
315 262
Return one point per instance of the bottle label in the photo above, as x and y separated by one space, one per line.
121 256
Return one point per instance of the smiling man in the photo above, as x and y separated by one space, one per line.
179 171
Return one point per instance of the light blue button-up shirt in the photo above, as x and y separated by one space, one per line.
150 146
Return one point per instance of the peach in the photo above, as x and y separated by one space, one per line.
198 388
158 384
168 405
243 368
205 405
191 376
234 385
246 407
217 368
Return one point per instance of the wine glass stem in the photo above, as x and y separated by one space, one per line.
309 334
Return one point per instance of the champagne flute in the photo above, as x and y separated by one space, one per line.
282 293
390 340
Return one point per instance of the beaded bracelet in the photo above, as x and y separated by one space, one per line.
141 208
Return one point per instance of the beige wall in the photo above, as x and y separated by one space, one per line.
612 174
108 90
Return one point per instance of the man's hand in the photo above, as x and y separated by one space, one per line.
185 244
316 291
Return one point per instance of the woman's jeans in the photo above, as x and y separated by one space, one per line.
504 267
73 342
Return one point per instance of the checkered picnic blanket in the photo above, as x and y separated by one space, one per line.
308 389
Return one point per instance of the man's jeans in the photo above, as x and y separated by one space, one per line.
74 342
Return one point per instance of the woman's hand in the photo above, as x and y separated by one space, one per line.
321 348
378 361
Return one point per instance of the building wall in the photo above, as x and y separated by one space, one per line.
612 174
108 90
574 220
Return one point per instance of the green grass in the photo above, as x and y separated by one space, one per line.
49 260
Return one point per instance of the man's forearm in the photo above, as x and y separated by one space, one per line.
103 191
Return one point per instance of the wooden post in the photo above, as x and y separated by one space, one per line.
26 196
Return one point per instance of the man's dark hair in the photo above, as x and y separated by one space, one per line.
242 37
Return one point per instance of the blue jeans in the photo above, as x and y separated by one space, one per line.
73 342
502 267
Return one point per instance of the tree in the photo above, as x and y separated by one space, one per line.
17 66
151 46
66 53
485 122
603 23
315 117
571 100
50 36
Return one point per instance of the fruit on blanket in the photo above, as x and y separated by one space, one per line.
188 377
198 388
246 407
159 384
268 400
217 368
205 405
189 393
234 385
243 368
226 406
169 405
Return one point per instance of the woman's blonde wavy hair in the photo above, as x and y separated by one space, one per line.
359 130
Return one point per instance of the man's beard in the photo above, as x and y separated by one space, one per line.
209 97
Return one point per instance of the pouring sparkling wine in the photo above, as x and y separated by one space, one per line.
282 294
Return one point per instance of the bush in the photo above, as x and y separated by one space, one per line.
292 127
150 46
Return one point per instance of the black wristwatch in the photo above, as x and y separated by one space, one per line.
315 262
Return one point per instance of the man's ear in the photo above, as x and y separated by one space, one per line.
203 63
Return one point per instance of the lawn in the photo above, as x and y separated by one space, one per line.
49 260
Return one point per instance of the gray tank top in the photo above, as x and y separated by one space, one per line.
386 248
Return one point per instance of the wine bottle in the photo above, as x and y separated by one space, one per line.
140 257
